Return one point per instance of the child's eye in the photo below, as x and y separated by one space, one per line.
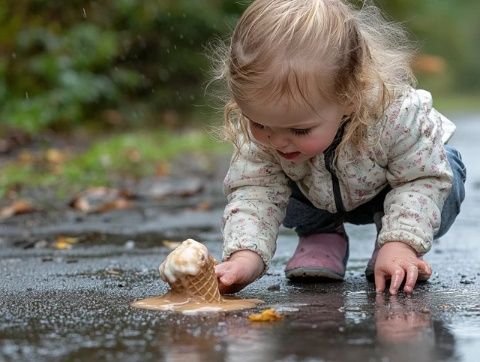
300 131
256 125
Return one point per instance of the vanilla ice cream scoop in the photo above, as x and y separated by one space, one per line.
187 259
189 269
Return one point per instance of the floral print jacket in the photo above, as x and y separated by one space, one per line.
407 153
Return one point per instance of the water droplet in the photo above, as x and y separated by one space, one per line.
84 13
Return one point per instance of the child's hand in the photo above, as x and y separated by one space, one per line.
398 261
241 269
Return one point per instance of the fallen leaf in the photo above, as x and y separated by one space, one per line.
113 271
100 199
64 242
17 208
113 117
162 169
118 204
60 245
54 155
133 155
267 315
203 206
161 187
26 158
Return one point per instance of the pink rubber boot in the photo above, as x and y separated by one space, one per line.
319 256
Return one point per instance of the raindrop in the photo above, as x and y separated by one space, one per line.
129 245
26 95
14 55
84 13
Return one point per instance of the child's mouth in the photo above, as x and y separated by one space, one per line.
289 155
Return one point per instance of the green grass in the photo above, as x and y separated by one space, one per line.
128 155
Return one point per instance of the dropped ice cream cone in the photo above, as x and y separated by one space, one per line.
204 284
190 272
189 269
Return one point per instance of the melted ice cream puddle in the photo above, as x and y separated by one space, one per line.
189 270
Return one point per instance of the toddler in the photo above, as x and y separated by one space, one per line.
328 129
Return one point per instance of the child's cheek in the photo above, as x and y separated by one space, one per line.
312 146
259 135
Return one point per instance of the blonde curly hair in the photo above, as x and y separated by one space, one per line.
282 49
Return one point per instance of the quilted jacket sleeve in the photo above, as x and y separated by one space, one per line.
257 194
418 172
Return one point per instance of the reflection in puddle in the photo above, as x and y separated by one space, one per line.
405 331
398 322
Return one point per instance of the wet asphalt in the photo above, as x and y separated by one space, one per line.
73 305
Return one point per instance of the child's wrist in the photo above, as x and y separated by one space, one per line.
251 257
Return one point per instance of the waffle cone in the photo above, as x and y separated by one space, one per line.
203 285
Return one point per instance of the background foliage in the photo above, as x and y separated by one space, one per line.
132 62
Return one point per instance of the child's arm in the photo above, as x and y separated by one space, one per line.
398 261
241 269
257 194
420 176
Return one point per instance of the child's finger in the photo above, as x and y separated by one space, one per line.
379 281
397 279
424 270
219 269
227 279
225 274
411 279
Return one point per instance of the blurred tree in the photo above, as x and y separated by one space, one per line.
114 60
449 29
128 61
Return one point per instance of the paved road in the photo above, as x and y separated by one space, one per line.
74 304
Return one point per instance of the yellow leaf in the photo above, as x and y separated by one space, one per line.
64 242
267 315
62 245
53 155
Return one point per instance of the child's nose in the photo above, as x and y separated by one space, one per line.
278 140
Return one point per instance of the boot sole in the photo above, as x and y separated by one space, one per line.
312 273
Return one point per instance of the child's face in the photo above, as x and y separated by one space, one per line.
296 133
